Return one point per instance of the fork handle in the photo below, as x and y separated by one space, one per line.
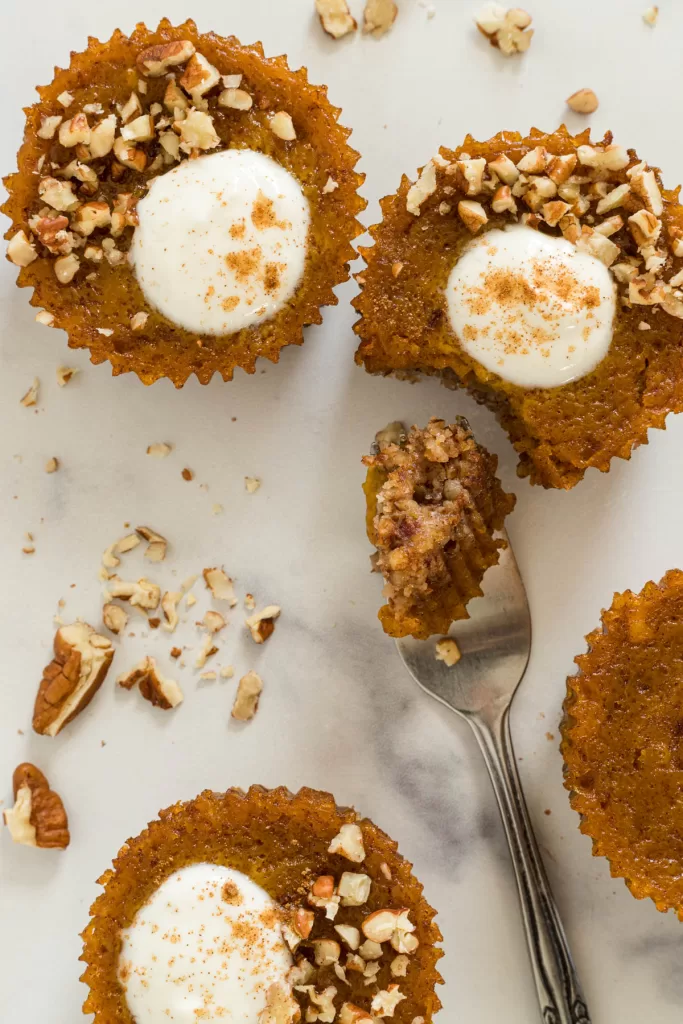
559 992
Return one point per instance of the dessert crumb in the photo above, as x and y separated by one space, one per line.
448 651
187 474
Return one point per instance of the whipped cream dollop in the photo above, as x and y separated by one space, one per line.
531 307
207 946
221 242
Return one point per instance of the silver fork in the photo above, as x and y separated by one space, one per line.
495 644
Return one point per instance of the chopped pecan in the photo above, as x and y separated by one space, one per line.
143 594
78 669
156 544
20 250
155 60
379 16
349 843
38 817
247 698
199 78
220 585
584 101
114 617
161 692
448 651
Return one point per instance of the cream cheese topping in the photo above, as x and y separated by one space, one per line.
207 946
221 242
531 307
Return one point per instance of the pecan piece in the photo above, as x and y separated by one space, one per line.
157 689
78 669
220 585
38 817
247 698
262 624
155 60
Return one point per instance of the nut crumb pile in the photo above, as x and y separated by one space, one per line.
434 505
506 28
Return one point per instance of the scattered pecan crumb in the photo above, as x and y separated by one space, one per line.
335 17
507 30
379 16
220 585
247 698
156 544
252 484
161 692
52 465
160 449
176 652
448 651
187 474
65 374
249 602
584 101
141 594
206 651
650 16
262 624
227 672
38 817
81 661
169 606
31 396
213 621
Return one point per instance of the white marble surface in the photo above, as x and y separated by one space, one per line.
338 711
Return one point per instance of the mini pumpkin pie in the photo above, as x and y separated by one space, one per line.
183 204
622 740
264 907
434 504
543 274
